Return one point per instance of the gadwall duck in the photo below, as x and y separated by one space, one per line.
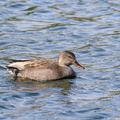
44 69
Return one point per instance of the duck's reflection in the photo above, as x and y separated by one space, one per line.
31 85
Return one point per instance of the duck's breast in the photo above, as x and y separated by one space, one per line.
67 72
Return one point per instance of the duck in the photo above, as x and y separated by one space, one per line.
44 69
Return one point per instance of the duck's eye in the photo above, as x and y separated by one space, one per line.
70 56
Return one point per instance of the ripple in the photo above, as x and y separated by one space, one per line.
42 29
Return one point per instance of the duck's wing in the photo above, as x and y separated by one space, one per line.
13 60
32 63
41 64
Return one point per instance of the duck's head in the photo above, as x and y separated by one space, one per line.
68 58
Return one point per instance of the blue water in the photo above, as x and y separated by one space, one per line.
42 29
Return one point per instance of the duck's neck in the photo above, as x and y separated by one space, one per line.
61 62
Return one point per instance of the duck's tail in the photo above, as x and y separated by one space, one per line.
4 66
12 70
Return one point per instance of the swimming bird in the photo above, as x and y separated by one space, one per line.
44 69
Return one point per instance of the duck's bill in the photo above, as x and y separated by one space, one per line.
78 65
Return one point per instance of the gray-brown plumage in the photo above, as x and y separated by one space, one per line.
44 69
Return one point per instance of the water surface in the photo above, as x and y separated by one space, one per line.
42 28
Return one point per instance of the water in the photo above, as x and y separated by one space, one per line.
43 28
